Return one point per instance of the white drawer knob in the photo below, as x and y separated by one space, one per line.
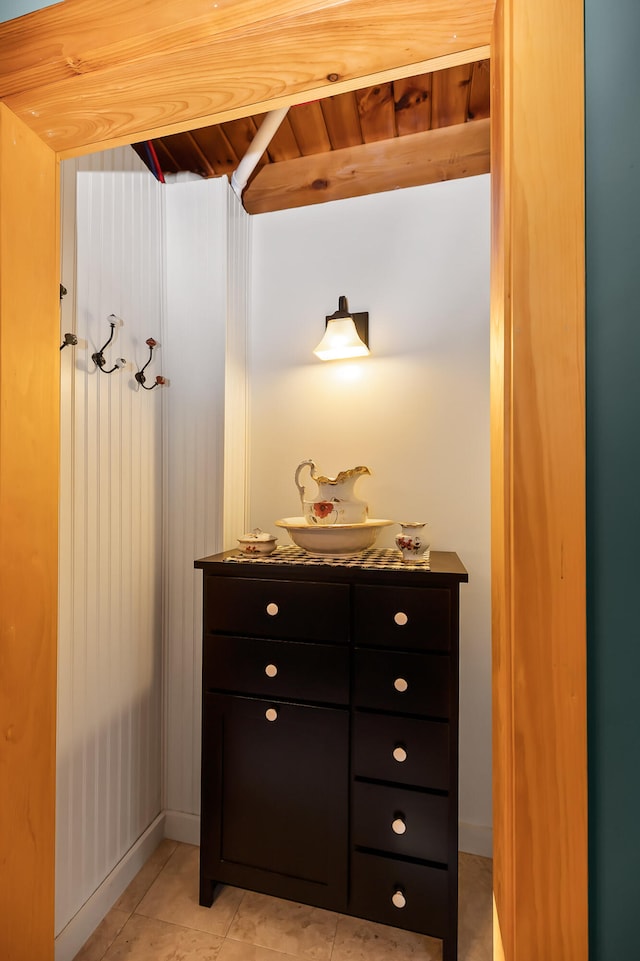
400 684
400 618
399 754
272 609
398 826
271 714
398 898
271 670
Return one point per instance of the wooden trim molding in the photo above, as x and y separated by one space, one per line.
29 441
504 841
91 74
538 482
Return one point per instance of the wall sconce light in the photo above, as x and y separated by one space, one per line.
346 334
139 375
99 359
70 340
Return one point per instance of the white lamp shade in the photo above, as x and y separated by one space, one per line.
341 341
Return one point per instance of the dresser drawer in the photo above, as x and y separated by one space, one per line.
402 683
277 608
400 822
401 749
402 617
278 669
411 896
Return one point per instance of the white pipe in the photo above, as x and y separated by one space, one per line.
256 148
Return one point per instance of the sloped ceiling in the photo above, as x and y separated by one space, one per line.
400 133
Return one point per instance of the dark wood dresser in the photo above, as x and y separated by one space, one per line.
330 734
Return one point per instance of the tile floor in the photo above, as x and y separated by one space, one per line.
158 919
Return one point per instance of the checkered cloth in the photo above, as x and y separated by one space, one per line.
376 558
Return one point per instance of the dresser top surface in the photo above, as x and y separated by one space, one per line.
293 561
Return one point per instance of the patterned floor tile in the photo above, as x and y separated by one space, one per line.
174 896
146 939
284 926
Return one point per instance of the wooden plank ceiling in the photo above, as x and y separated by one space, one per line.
395 134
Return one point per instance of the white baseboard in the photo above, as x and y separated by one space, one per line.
182 827
475 839
83 924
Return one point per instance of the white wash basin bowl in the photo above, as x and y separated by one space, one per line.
339 540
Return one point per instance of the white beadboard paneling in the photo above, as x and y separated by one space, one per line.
110 654
122 159
143 477
196 283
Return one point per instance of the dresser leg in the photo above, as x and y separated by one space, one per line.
207 887
450 949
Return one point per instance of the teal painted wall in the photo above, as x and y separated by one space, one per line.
613 474
9 9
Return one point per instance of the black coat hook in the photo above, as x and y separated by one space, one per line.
99 359
70 340
139 375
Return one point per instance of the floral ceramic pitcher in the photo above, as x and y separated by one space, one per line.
335 502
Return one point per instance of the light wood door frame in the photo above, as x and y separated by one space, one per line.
538 482
29 446
537 358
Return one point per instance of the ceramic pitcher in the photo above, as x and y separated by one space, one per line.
335 502
412 541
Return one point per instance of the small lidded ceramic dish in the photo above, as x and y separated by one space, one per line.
256 542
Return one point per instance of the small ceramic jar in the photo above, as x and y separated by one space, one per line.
257 542
411 542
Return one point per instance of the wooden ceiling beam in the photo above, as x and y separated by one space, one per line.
92 74
83 36
427 157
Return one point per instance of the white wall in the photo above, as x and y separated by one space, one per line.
416 411
110 642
